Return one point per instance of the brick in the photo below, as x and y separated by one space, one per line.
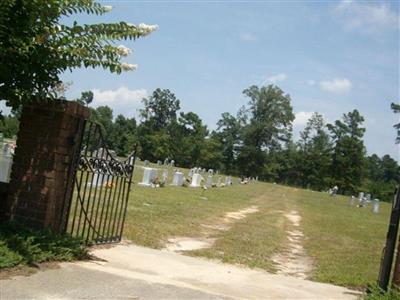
40 173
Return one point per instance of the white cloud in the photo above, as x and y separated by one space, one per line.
301 118
336 85
247 37
276 78
122 100
367 17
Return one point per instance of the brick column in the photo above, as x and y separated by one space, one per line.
42 173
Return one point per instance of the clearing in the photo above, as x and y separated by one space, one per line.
277 228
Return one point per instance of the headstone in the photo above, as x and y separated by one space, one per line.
196 180
210 171
159 162
98 179
256 178
351 200
113 153
166 161
368 197
177 179
360 197
101 153
148 176
334 190
228 180
5 163
375 206
209 181
172 163
165 175
219 181
146 163
191 172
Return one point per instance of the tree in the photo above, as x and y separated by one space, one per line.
270 125
35 48
86 98
381 176
190 138
123 135
396 109
228 135
103 115
9 126
160 109
348 154
156 134
315 154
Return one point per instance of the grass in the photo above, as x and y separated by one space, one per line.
344 242
23 246
376 293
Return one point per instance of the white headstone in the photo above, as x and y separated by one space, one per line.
99 179
209 181
360 196
5 163
165 175
177 179
172 163
227 180
148 176
146 163
196 180
351 200
191 172
219 181
375 206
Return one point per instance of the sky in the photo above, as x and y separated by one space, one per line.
329 56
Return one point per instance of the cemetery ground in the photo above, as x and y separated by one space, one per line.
280 229
342 244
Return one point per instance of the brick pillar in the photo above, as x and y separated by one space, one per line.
42 173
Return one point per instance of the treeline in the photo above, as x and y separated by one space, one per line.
257 141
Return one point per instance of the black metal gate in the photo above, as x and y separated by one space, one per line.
101 190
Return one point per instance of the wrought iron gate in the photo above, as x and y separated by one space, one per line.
101 190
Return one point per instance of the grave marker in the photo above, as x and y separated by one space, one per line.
178 179
196 180
149 174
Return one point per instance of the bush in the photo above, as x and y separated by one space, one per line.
21 245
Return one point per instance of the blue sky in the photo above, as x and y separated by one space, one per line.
330 56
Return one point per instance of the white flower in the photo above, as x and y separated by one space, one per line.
57 28
107 8
128 67
145 29
123 51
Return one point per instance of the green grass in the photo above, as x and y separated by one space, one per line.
22 246
344 242
376 293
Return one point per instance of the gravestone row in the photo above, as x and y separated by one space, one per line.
195 177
